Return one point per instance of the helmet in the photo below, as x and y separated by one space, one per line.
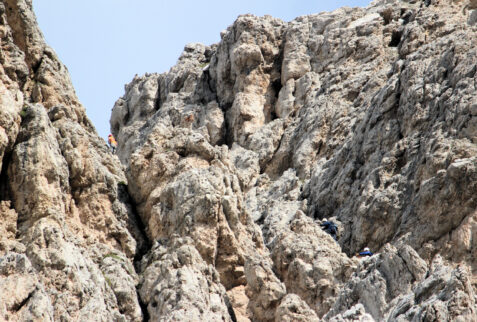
366 249
110 135
324 219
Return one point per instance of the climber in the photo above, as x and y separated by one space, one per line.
112 143
365 253
330 227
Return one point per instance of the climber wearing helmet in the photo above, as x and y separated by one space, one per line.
330 227
366 252
112 143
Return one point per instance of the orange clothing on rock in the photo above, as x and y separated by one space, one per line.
112 141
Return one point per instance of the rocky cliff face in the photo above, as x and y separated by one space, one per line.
68 233
228 163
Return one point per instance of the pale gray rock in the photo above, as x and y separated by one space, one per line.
285 104
296 62
397 285
266 290
62 207
177 284
445 294
379 279
358 115
248 94
228 163
472 17
310 263
23 297
274 203
140 104
292 308
355 313
247 164
120 276
266 141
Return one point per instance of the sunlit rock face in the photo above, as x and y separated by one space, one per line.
228 163
68 233
359 115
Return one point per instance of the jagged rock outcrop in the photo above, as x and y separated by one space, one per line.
361 115
180 286
64 211
228 163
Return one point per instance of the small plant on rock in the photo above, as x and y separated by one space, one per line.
24 111
113 255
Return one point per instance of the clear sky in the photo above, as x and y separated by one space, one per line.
104 43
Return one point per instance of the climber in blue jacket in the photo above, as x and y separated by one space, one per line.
330 227
366 252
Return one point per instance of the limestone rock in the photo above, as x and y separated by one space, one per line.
445 294
381 278
228 163
311 264
355 313
23 297
292 308
62 207
360 115
178 285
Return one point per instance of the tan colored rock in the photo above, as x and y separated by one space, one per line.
233 158
353 142
310 263
11 102
355 313
23 297
285 103
265 289
296 62
8 227
62 206
247 48
239 301
178 285
293 308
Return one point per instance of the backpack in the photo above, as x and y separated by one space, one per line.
333 228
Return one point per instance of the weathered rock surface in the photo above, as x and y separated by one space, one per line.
179 285
359 115
231 161
64 211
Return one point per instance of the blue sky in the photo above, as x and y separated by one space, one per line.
104 43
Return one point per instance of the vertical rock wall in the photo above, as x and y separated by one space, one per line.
359 115
228 163
68 232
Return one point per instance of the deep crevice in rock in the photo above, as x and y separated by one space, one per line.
4 190
387 16
228 136
145 312
36 67
157 101
395 38
406 16
230 309
17 307
142 248
277 86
